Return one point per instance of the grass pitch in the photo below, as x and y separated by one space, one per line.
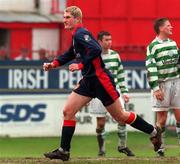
84 150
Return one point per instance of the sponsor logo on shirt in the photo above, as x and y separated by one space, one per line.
87 38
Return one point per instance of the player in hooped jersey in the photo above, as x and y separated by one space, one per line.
164 76
96 82
113 63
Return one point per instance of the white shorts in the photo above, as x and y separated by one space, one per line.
171 89
97 108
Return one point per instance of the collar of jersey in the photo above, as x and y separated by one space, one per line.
162 41
76 28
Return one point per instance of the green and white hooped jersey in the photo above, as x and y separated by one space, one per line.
162 61
113 63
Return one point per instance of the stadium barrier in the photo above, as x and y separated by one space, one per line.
32 100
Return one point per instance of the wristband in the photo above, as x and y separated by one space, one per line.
56 63
80 66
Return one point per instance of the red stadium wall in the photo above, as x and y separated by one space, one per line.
21 38
21 35
129 21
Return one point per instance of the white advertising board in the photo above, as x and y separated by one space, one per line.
42 115
34 115
139 103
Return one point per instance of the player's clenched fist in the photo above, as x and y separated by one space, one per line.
48 66
75 67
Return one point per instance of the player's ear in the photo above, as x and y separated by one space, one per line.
99 41
78 19
161 28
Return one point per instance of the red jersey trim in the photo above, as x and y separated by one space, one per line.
56 63
80 66
104 79
76 27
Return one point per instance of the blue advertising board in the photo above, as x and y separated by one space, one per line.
28 77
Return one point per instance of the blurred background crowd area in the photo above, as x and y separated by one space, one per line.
26 54
33 29
48 55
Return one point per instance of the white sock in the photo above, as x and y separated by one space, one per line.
122 134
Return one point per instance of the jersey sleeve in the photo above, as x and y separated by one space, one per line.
178 63
121 77
152 72
66 57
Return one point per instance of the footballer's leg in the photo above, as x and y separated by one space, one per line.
122 134
177 109
115 109
100 131
178 131
177 116
70 109
99 111
161 122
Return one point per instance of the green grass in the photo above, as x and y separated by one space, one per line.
84 146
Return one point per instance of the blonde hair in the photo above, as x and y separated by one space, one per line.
75 11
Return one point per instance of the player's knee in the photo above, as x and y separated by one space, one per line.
67 113
161 122
100 126
101 122
121 119
177 116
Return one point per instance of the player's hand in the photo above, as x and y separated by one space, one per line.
48 66
126 98
75 67
159 94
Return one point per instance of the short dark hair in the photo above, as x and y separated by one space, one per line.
101 34
159 22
